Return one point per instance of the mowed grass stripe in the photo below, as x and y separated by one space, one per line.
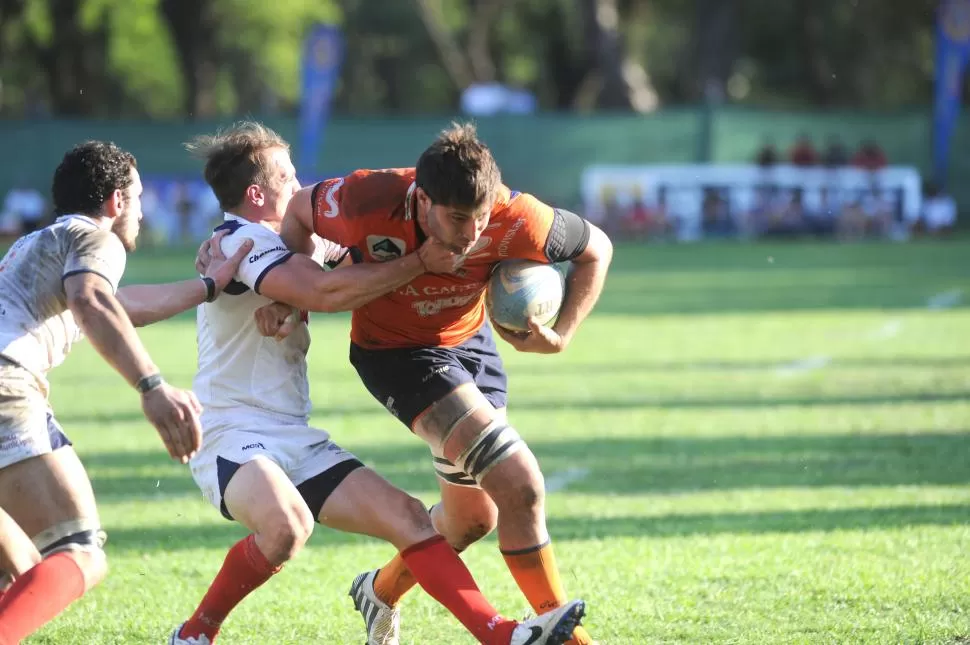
721 504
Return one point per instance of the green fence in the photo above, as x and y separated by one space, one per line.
543 154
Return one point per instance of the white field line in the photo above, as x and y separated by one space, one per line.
560 481
802 365
889 330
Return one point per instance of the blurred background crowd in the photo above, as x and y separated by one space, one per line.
660 119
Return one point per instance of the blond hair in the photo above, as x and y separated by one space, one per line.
235 159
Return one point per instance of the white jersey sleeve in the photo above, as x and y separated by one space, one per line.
94 250
268 252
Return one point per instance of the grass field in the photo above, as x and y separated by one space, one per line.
752 444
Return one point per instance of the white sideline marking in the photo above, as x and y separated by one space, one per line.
945 300
559 481
889 330
802 365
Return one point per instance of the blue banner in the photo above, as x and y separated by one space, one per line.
323 53
952 49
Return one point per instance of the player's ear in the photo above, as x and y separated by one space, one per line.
423 200
255 195
115 204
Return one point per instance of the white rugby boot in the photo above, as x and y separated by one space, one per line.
175 639
552 628
383 621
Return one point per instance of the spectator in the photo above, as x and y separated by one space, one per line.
851 224
767 155
821 215
184 208
637 221
612 211
939 211
803 152
716 214
836 155
25 207
869 156
878 211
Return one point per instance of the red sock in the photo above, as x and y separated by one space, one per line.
244 569
443 575
38 596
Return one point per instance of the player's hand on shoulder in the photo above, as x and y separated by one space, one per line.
175 415
437 258
220 268
276 320
204 255
538 340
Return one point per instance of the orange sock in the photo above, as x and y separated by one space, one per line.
393 581
537 575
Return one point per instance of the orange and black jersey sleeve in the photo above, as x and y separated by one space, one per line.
535 231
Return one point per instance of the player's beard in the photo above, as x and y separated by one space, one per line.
125 226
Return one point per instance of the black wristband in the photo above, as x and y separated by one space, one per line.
148 383
210 288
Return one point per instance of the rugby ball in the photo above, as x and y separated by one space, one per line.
521 289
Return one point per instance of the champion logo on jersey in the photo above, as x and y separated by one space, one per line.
385 248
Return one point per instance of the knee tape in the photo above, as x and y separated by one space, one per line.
497 442
441 419
74 535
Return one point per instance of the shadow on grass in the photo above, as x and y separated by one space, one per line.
648 366
206 536
323 412
624 466
802 521
169 538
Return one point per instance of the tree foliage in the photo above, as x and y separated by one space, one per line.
200 58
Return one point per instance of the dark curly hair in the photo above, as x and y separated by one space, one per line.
458 170
88 174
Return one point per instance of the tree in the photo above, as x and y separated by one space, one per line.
194 30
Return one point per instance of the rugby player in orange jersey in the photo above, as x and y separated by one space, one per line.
426 350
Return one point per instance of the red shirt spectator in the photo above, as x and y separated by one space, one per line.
803 152
869 156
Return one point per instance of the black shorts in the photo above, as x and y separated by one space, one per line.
408 380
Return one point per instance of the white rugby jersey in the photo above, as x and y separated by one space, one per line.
237 365
37 329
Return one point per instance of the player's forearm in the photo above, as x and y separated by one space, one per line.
150 303
103 320
584 284
348 288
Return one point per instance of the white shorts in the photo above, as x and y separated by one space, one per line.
314 464
27 424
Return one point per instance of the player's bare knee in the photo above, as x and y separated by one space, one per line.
411 521
517 484
474 531
284 534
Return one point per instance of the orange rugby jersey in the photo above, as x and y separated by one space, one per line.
374 212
